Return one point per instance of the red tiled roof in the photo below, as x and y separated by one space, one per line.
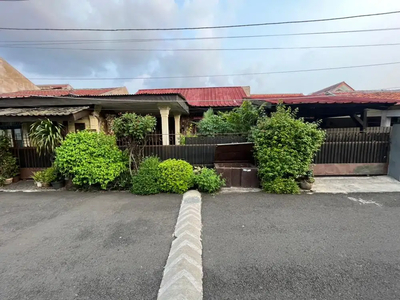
205 97
56 93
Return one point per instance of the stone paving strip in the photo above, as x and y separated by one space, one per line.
183 273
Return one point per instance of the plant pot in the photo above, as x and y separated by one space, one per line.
16 178
8 181
57 184
38 184
305 185
45 184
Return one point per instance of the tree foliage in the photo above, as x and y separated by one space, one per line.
134 130
285 147
239 120
90 158
45 136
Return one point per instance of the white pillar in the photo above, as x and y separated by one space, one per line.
164 111
177 129
385 120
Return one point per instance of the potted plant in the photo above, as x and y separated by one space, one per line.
38 178
307 181
9 168
8 163
58 179
49 175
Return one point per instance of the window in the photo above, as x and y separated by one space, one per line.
79 127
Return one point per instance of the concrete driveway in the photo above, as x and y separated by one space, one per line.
68 245
259 246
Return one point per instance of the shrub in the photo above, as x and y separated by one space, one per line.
90 158
146 181
282 186
176 176
122 182
285 146
208 181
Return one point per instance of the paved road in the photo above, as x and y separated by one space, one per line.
69 245
258 246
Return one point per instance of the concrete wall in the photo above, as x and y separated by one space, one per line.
91 122
118 91
394 156
13 81
350 169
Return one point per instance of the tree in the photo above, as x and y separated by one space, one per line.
134 130
45 136
239 120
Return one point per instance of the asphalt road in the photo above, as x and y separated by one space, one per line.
259 246
68 245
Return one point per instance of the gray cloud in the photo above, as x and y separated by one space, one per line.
170 13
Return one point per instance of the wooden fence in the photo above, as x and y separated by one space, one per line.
341 146
352 146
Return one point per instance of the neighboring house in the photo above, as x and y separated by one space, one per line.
341 87
12 81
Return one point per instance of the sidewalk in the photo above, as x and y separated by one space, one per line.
371 184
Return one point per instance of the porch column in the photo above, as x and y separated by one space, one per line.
164 111
177 129
385 120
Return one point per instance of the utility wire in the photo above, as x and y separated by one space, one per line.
203 27
86 41
208 49
220 75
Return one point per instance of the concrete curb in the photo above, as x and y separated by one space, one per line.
183 273
30 191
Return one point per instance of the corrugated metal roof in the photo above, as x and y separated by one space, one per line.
266 96
41 111
57 93
205 97
325 99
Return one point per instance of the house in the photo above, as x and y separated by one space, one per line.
341 87
12 81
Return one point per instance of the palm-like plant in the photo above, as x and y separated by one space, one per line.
45 136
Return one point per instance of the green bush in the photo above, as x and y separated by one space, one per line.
176 176
146 181
122 183
90 158
208 181
282 186
285 146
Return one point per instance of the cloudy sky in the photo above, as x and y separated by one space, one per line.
116 63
